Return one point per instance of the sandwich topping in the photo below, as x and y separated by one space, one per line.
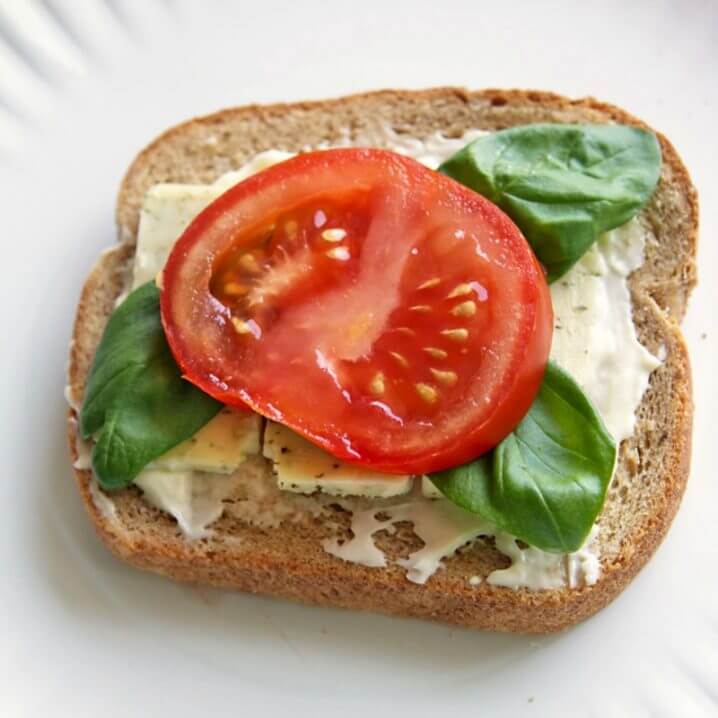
387 313
389 322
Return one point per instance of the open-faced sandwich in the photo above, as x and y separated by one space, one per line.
410 352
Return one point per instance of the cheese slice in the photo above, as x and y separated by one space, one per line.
219 447
304 468
166 212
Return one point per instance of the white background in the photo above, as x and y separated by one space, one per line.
83 86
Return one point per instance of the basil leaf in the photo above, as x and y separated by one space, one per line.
546 482
137 405
563 185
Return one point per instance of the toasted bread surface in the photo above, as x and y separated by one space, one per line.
287 559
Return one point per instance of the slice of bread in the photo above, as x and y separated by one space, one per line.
271 543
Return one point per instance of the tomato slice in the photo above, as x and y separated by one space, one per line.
387 313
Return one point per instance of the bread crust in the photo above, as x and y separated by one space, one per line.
288 561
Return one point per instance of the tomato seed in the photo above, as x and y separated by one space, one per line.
430 283
458 291
427 392
465 309
456 335
291 228
334 235
341 253
448 378
400 359
435 352
241 326
377 384
235 289
249 263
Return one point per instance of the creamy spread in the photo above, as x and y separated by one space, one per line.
594 337
444 528
441 525
83 448
105 505
193 498
72 400
196 499
431 151
595 340
536 569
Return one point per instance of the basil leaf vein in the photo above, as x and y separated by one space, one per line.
563 185
137 405
546 482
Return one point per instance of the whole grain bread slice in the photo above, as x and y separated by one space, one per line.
283 555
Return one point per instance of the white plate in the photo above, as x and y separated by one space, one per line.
83 85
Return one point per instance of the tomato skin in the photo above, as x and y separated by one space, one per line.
409 203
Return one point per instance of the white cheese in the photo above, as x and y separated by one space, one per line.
305 468
167 211
218 447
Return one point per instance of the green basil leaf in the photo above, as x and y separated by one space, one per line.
137 405
546 482
563 185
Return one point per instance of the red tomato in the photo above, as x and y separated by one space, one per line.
387 313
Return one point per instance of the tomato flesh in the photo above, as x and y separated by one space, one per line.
385 312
